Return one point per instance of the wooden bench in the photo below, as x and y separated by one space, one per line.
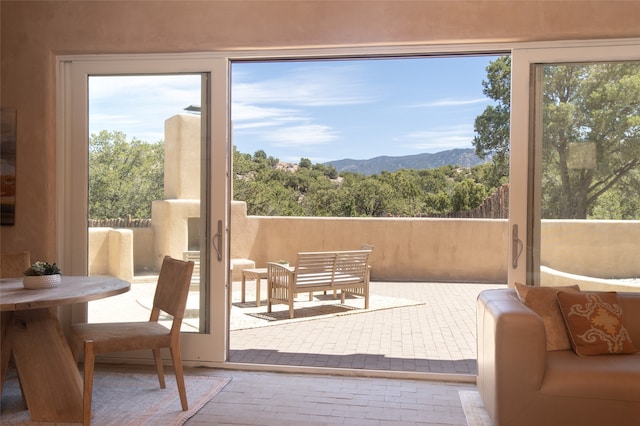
346 271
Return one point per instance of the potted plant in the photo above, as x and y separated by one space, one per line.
41 275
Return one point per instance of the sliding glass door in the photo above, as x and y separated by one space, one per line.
583 162
149 179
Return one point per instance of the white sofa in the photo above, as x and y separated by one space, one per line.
522 384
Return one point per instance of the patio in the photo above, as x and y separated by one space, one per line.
425 327
435 335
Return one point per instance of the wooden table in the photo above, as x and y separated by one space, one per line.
49 377
256 274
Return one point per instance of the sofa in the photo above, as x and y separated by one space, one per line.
523 383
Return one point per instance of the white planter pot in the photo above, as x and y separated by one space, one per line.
41 281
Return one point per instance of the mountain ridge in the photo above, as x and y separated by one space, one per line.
463 157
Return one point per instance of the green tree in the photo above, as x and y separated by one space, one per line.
492 126
592 108
589 107
467 195
124 177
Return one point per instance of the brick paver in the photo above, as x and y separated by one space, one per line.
438 336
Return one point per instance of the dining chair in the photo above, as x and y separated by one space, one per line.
96 338
13 265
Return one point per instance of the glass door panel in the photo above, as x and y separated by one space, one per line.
588 175
145 156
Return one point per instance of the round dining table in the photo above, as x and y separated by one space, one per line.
49 376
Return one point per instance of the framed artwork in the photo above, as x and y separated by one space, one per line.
8 121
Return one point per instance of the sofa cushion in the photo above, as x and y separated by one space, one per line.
603 377
595 321
542 301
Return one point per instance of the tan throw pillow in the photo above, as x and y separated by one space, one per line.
595 322
542 301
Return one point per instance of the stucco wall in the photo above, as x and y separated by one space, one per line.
404 249
595 248
33 33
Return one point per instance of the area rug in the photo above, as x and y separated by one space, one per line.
474 409
248 315
126 399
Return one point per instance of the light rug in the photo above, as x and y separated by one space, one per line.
474 409
248 315
126 399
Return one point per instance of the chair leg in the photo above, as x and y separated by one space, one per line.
177 366
89 360
158 359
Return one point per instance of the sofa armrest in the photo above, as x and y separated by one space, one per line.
511 355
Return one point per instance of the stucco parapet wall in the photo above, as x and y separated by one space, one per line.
405 249
608 249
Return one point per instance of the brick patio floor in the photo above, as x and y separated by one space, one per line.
438 336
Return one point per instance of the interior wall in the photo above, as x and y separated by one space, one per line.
33 33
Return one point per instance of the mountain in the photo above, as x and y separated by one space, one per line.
455 157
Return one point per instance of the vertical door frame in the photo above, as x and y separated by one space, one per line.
524 194
72 178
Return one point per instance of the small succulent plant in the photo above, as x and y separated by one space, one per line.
42 268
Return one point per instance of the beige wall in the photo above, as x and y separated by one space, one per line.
584 252
595 248
404 249
33 33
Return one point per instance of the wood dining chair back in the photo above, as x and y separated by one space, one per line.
96 338
13 265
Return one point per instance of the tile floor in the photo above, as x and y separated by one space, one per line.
261 398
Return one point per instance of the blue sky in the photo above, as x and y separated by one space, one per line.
321 110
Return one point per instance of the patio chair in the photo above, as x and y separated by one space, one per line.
170 297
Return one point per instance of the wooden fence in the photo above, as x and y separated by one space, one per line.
120 223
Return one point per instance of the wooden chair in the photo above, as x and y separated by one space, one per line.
13 265
170 297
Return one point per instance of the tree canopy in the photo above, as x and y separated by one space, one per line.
590 137
124 177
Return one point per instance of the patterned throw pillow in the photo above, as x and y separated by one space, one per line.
542 301
595 322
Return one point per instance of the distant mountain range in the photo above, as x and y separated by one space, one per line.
455 157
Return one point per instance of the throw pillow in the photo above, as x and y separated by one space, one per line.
595 322
542 301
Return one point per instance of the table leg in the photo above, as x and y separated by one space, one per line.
48 373
258 291
244 284
6 346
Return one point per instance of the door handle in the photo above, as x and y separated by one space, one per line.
516 247
217 241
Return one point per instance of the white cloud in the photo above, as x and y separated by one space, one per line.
139 105
447 102
305 135
306 86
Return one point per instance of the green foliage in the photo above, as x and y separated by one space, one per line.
466 195
492 126
317 190
42 268
124 176
592 107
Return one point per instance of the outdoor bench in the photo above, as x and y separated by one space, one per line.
346 271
